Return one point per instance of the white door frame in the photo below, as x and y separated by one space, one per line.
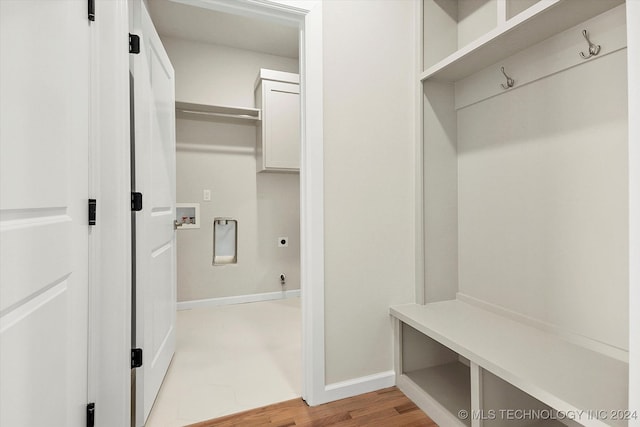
110 246
307 16
110 240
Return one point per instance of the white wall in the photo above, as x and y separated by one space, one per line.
543 201
369 180
213 74
219 155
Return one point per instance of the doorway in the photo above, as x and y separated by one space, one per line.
216 176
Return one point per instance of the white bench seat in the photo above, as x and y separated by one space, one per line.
563 375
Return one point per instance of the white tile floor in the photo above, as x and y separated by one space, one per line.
230 359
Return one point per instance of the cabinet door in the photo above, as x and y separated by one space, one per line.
281 126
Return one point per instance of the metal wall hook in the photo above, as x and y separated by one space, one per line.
510 81
593 48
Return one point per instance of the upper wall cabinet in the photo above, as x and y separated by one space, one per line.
462 37
278 137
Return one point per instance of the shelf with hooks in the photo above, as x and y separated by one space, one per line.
525 135
553 55
535 24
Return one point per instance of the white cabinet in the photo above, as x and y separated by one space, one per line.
278 136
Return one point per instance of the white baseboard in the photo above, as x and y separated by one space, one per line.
240 299
356 386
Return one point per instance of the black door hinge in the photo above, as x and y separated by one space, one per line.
134 43
136 202
92 211
91 414
92 10
136 357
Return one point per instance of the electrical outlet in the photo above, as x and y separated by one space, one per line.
206 195
283 242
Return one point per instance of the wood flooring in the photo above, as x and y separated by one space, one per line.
383 408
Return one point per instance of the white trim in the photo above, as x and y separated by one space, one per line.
312 206
633 52
274 11
418 115
477 392
110 242
501 10
357 386
276 76
238 299
581 340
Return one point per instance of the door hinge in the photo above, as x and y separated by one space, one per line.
136 357
134 43
136 202
92 10
91 414
92 211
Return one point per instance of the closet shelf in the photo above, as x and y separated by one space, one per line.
189 110
563 375
539 22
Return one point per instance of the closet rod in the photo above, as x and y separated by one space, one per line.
208 113
244 113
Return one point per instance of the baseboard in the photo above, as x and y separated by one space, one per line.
356 386
239 299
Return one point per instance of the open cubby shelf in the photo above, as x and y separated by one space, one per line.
448 383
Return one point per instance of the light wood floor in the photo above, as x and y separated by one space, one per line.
382 408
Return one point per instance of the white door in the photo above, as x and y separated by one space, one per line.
155 172
44 139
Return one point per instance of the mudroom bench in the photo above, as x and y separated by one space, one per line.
468 366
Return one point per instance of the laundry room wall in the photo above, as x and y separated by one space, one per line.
218 154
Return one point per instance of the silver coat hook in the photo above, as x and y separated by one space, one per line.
510 81
593 48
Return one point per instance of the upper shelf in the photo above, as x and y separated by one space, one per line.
537 23
189 110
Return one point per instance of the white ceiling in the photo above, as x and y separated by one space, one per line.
204 25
